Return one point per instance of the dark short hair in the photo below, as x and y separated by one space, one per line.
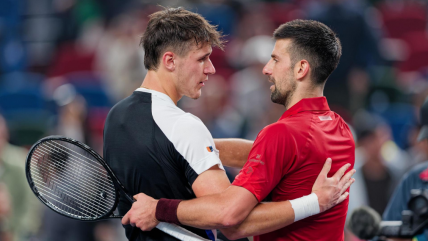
315 42
176 29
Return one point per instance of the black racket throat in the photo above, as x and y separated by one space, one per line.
72 179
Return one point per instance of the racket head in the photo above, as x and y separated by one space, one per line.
71 179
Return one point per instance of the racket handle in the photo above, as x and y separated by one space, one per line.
179 232
171 229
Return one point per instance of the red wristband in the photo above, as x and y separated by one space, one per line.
166 210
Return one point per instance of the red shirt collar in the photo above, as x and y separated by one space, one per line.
308 104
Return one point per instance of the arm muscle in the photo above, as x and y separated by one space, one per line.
212 181
233 152
264 218
225 209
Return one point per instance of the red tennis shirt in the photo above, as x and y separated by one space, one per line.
287 157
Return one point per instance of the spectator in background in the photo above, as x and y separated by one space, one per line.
57 227
71 113
375 177
417 178
418 150
5 213
220 13
72 123
74 113
254 21
19 218
119 59
348 85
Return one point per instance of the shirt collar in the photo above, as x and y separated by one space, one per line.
162 96
307 104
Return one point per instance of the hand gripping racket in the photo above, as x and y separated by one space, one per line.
73 180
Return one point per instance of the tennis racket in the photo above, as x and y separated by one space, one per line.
73 180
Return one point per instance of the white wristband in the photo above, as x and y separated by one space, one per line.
305 206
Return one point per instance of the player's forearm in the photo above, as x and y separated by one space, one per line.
264 218
210 212
226 209
233 152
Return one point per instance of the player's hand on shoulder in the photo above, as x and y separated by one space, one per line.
332 190
142 213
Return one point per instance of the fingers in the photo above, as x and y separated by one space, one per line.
347 185
343 197
346 178
338 175
139 196
126 219
326 168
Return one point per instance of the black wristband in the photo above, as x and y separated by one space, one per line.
166 210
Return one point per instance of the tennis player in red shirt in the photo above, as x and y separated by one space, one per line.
287 156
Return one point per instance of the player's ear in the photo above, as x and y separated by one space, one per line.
168 60
301 69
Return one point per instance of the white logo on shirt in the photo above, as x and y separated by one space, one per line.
325 118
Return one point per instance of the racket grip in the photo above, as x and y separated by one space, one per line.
171 229
179 232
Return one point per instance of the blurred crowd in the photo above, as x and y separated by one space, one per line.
65 63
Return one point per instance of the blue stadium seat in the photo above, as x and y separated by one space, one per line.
401 118
17 81
13 54
26 100
90 86
29 125
94 96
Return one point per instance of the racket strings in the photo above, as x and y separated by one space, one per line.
90 161
74 183
66 198
63 187
61 205
76 172
70 191
83 169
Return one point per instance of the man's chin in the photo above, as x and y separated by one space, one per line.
277 99
196 95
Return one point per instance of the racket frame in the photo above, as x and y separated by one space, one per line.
118 185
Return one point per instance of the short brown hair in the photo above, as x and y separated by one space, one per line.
178 29
314 41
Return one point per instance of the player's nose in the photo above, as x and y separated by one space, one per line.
209 69
267 70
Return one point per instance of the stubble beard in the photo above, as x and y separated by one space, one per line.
283 98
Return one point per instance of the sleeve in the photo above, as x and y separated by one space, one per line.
194 142
271 157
